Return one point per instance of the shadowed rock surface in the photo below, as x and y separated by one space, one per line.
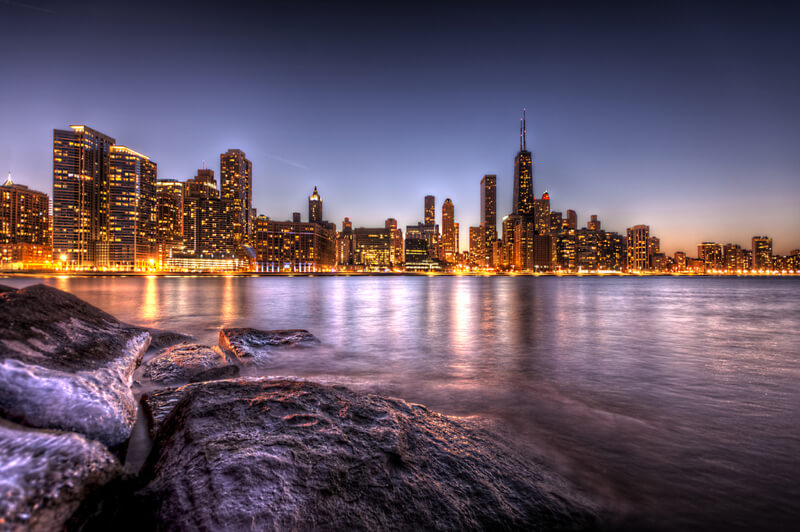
252 346
262 454
44 476
160 338
67 365
185 363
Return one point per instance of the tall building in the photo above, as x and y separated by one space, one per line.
571 219
448 232
594 223
169 213
24 224
373 248
206 232
489 207
523 174
762 253
236 186
541 214
477 246
81 168
132 221
396 242
711 255
345 253
555 222
430 210
294 246
315 207
639 246
733 258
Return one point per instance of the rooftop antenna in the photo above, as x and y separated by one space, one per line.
520 134
524 130
204 164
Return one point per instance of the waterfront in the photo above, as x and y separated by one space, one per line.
675 399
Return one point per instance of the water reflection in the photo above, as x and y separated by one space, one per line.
677 398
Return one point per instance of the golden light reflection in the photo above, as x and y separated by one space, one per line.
228 312
150 304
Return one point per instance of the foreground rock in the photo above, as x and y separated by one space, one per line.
252 346
261 454
44 476
67 365
184 363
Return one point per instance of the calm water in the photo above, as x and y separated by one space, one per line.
673 399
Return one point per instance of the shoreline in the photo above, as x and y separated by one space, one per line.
65 274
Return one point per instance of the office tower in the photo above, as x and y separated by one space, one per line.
430 210
80 195
344 244
373 248
294 246
541 214
169 213
206 233
762 253
794 260
236 186
477 246
571 219
489 207
24 224
594 223
611 251
587 249
555 222
448 231
132 222
566 250
315 207
457 240
711 255
396 241
639 246
523 174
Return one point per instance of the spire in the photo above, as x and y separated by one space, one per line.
520 134
524 130
8 181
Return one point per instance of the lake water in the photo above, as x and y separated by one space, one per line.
674 400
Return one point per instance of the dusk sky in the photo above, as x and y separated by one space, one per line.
683 116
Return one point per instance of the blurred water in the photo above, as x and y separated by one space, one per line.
677 400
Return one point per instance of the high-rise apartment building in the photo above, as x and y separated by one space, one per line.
396 242
448 232
541 214
206 233
594 223
294 246
639 246
169 213
24 224
523 174
762 253
236 186
132 213
345 254
711 255
81 168
571 220
489 207
430 210
373 248
315 207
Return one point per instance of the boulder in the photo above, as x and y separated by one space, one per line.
160 339
268 454
184 363
252 346
45 475
67 365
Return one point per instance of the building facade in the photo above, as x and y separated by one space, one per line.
294 246
236 187
638 248
24 225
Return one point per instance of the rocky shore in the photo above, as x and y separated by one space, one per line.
231 452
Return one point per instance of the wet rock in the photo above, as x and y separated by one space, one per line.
67 365
44 476
252 346
160 339
185 363
264 454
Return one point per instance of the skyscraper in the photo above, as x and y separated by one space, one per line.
571 219
639 248
523 174
396 241
132 223
315 207
81 170
448 231
430 210
762 253
24 224
236 184
594 223
205 229
489 207
169 213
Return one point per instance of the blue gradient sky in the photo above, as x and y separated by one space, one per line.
683 116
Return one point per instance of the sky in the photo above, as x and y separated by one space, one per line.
679 115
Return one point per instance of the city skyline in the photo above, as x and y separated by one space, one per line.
707 156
